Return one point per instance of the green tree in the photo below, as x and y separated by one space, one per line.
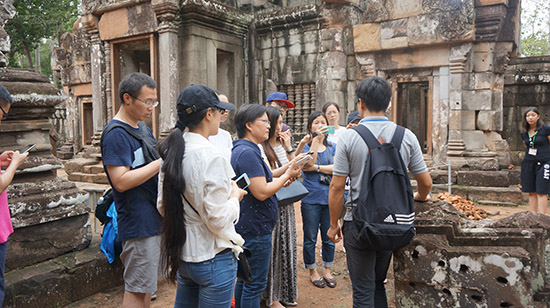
535 28
36 21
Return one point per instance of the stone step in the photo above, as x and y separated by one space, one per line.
503 195
76 176
77 164
62 280
94 169
96 155
502 178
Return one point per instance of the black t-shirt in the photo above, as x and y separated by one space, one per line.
540 143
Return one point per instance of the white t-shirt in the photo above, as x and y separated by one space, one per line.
223 142
333 138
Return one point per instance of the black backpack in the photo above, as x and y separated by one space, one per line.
384 215
103 205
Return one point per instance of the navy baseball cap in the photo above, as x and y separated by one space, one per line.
197 97
354 116
279 97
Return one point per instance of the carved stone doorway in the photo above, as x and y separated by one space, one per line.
87 122
414 111
135 54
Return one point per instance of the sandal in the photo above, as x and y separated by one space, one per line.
320 283
331 282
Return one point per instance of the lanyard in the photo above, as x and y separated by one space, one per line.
532 139
373 120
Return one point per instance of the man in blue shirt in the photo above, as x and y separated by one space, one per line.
132 163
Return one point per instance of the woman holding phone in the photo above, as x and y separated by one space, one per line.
199 204
332 112
282 284
259 209
317 175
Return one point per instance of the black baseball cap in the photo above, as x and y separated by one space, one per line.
354 116
197 97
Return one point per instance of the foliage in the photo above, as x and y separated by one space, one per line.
535 28
36 21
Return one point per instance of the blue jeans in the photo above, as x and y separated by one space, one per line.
207 284
315 217
247 295
3 247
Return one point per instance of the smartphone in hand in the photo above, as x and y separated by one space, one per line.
243 181
27 148
300 162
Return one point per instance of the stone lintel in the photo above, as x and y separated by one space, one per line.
127 21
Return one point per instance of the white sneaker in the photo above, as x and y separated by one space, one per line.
153 296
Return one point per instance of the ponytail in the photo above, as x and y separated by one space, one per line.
171 150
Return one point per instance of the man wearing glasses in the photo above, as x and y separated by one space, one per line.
131 161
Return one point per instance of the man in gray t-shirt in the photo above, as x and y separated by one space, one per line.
367 267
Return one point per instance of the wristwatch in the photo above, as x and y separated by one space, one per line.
318 168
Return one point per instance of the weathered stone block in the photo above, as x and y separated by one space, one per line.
394 43
75 176
335 59
393 28
490 2
406 8
477 100
336 73
442 176
366 37
514 176
336 85
295 50
483 178
62 280
474 140
485 120
483 61
77 164
422 30
127 21
30 245
484 81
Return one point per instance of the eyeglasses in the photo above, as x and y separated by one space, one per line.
266 122
281 106
222 111
358 100
332 113
4 112
149 104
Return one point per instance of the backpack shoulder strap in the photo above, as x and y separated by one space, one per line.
398 137
367 136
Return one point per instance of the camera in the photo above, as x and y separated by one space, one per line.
325 179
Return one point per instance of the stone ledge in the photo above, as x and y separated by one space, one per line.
62 280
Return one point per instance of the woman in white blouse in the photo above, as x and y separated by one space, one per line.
200 204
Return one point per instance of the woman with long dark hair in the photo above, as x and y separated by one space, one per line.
199 204
317 175
282 284
535 167
259 209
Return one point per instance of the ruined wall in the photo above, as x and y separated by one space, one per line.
455 262
526 84
436 42
308 53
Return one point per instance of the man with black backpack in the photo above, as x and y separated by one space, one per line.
380 209
131 161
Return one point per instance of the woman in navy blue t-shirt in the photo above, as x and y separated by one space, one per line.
258 213
317 175
535 168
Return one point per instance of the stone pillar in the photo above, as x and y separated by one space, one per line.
108 90
459 119
96 57
168 83
7 11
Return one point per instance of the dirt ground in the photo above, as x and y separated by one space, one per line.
308 295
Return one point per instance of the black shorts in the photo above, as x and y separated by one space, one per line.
535 177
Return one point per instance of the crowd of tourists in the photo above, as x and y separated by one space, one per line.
182 211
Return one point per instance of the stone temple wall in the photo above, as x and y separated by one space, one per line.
308 53
526 84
